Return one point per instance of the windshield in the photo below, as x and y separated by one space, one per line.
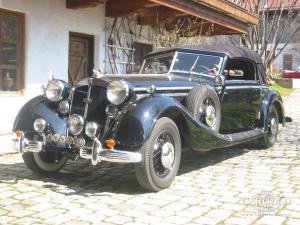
157 65
197 64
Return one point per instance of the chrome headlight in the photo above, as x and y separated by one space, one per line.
39 125
75 124
64 107
117 92
54 90
91 129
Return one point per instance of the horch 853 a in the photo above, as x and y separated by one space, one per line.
197 98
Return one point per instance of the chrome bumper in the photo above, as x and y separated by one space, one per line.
22 144
110 155
98 153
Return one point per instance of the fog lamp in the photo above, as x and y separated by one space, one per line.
39 125
64 107
91 129
75 124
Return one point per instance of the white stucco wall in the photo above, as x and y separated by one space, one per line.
48 23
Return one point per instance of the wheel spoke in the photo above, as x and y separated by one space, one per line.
157 153
166 142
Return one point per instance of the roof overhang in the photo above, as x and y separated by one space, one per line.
226 16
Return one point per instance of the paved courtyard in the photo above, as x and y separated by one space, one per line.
239 185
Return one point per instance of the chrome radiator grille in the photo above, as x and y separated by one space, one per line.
79 100
91 105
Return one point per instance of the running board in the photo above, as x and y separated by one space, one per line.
244 136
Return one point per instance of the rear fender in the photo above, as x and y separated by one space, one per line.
272 98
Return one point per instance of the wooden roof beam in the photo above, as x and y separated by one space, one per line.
232 9
203 28
150 16
77 4
116 8
205 12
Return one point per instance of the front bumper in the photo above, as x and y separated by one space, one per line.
96 155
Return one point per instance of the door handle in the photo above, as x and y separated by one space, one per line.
260 91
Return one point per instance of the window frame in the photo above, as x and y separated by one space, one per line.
141 45
21 44
254 64
159 56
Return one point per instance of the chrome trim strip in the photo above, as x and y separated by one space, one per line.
241 86
173 62
163 88
140 96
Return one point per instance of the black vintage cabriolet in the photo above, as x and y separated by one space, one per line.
202 98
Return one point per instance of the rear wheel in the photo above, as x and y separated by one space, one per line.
269 138
160 156
44 162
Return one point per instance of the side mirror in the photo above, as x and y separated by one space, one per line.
220 80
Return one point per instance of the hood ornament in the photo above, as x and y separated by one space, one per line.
97 73
51 76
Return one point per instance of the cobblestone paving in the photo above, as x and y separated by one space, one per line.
239 185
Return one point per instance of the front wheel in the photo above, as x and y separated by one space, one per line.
270 136
44 163
160 156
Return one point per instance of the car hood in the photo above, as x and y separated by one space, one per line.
139 82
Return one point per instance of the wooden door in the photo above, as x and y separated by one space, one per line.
81 57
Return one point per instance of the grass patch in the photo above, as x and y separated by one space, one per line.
282 90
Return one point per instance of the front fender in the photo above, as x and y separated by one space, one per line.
135 123
40 107
272 98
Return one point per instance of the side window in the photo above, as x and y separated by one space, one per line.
240 69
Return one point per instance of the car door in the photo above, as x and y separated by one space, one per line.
241 97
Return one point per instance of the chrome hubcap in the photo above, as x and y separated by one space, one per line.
167 155
208 113
273 126
210 116
163 154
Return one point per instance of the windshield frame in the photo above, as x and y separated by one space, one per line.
175 55
220 65
160 56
